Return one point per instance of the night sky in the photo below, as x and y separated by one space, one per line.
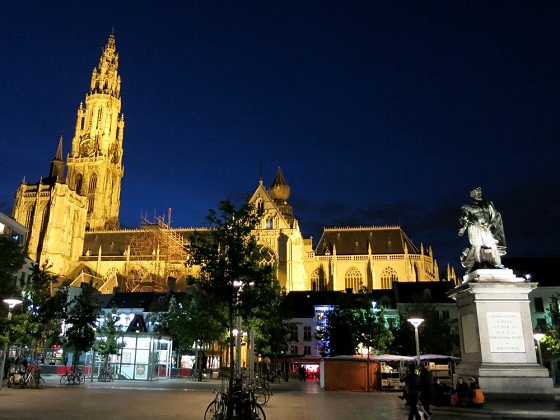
377 112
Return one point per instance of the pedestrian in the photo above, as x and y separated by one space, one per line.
476 397
426 385
412 388
462 389
440 393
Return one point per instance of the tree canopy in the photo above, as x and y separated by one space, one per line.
350 327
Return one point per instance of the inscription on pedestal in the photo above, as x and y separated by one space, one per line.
505 332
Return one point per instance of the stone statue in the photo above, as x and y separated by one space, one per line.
486 234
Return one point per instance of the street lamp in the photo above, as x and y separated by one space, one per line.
416 322
539 336
11 304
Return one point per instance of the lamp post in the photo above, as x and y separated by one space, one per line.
416 322
11 304
539 336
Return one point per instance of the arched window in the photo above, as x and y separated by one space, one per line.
29 217
269 223
91 192
319 279
353 279
79 182
267 256
388 276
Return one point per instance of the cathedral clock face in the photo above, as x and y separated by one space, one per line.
87 148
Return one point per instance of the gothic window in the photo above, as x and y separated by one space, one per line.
267 256
353 279
91 192
92 184
28 216
269 223
318 279
388 276
79 182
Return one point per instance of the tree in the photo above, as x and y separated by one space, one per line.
82 317
107 342
231 268
41 315
12 259
437 335
550 344
349 328
195 319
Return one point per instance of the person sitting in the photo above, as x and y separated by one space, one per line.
476 397
440 393
462 390
454 400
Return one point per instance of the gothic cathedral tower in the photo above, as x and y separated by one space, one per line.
95 163
58 210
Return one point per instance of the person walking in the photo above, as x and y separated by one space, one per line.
412 388
426 386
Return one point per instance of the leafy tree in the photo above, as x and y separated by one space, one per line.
230 265
437 335
107 342
347 328
194 319
12 259
39 316
550 344
81 320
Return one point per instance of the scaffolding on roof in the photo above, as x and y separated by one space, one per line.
155 255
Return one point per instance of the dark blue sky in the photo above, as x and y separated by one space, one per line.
378 112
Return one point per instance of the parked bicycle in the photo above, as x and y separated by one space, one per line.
106 375
242 404
19 377
72 377
198 375
261 389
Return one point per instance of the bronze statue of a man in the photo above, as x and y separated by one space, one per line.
486 234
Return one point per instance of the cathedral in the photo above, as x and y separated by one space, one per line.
73 219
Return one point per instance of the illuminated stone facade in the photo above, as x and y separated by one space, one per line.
74 227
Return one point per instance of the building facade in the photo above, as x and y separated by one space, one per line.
73 220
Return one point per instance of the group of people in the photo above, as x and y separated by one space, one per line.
423 390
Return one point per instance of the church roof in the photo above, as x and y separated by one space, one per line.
357 240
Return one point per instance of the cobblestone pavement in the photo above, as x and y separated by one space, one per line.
182 399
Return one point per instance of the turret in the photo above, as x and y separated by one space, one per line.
280 192
57 165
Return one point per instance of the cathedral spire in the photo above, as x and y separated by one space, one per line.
57 165
105 78
59 150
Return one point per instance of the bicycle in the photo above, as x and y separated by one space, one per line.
73 378
106 375
216 409
198 375
26 379
261 389
243 405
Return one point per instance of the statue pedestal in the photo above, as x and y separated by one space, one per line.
495 328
